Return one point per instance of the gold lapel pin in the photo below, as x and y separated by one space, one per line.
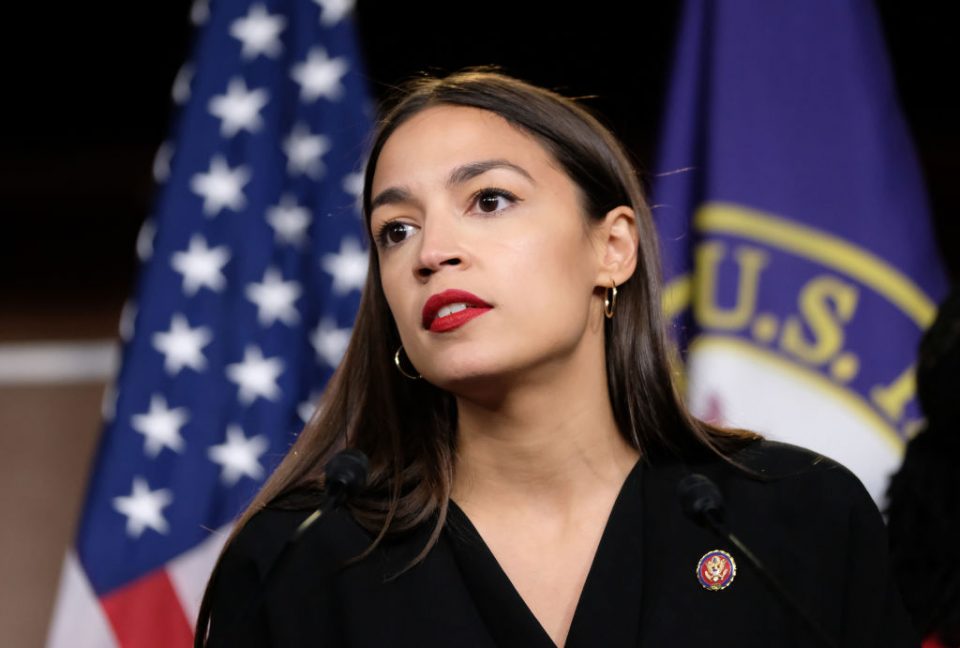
716 570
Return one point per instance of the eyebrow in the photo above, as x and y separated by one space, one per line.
469 171
461 174
391 196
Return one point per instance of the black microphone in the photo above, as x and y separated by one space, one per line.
702 502
701 499
344 476
346 473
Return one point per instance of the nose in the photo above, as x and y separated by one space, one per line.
440 246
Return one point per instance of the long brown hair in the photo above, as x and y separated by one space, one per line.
408 428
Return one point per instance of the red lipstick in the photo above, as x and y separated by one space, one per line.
448 321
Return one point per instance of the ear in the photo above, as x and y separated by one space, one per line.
616 243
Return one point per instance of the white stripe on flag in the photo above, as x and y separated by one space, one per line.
190 570
78 620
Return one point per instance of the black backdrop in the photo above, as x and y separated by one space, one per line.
86 95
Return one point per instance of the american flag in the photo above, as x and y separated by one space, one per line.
252 265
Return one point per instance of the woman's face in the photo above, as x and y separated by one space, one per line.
486 259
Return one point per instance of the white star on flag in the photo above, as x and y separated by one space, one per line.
221 186
145 239
274 298
304 151
160 426
182 346
128 320
319 75
353 184
239 456
348 267
239 109
329 341
309 407
180 92
333 11
201 266
200 11
108 405
161 162
256 376
289 221
144 508
259 32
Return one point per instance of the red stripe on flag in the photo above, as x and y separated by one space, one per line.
933 642
147 614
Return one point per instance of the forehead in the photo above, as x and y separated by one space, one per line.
441 137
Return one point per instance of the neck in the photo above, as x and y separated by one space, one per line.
540 444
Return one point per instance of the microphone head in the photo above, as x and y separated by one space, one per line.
700 499
346 472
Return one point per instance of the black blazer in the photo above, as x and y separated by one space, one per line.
807 518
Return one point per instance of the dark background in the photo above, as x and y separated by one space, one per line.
86 93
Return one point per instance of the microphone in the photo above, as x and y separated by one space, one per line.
702 503
701 499
345 475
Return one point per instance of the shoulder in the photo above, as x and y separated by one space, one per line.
263 568
791 482
811 514
239 576
807 517
249 556
777 463
261 539
271 531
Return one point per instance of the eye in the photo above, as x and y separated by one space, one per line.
394 232
492 200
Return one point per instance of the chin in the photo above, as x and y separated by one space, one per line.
447 377
464 376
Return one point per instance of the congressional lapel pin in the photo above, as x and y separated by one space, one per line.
716 570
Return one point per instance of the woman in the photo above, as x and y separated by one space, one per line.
509 381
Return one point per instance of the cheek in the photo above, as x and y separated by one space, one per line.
394 294
551 277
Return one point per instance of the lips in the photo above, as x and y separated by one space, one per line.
452 309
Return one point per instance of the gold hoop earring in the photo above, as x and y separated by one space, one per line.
610 300
396 361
